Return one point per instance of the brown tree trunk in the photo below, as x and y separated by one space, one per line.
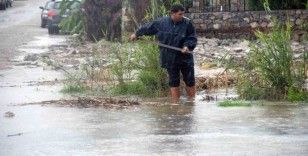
113 20
93 19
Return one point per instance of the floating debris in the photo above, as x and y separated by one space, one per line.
89 102
9 114
12 135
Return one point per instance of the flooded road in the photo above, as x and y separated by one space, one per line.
202 128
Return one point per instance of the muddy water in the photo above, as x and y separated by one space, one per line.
202 128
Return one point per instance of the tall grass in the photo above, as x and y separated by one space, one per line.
137 70
270 72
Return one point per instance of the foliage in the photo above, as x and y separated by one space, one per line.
105 16
73 23
112 19
231 103
269 72
295 94
74 84
137 70
160 8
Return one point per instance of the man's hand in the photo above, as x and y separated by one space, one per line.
185 50
133 37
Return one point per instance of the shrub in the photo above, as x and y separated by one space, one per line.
269 72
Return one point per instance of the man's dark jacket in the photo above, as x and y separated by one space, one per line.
178 34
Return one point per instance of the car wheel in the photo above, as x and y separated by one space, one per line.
56 30
51 30
3 6
43 23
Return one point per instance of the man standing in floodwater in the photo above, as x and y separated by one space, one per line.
177 31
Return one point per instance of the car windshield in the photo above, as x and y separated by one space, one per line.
73 6
57 5
49 5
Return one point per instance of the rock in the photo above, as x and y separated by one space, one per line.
223 42
254 25
299 22
263 24
73 52
226 16
298 12
217 26
203 26
297 56
238 49
75 35
31 57
246 19
270 25
268 17
9 114
197 21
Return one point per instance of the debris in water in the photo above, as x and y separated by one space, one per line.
12 135
31 57
9 114
88 102
209 98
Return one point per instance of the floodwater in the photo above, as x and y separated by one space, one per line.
199 128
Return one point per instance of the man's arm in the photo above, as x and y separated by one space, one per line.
148 29
191 39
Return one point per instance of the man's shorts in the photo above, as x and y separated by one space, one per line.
187 72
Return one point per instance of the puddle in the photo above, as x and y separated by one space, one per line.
41 44
46 41
22 76
31 83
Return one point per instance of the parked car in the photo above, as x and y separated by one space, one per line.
44 14
5 4
54 16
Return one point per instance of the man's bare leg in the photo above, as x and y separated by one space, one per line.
191 92
175 94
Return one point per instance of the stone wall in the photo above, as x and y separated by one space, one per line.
242 24
219 5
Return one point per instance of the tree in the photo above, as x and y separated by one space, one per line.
103 19
112 16
93 19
